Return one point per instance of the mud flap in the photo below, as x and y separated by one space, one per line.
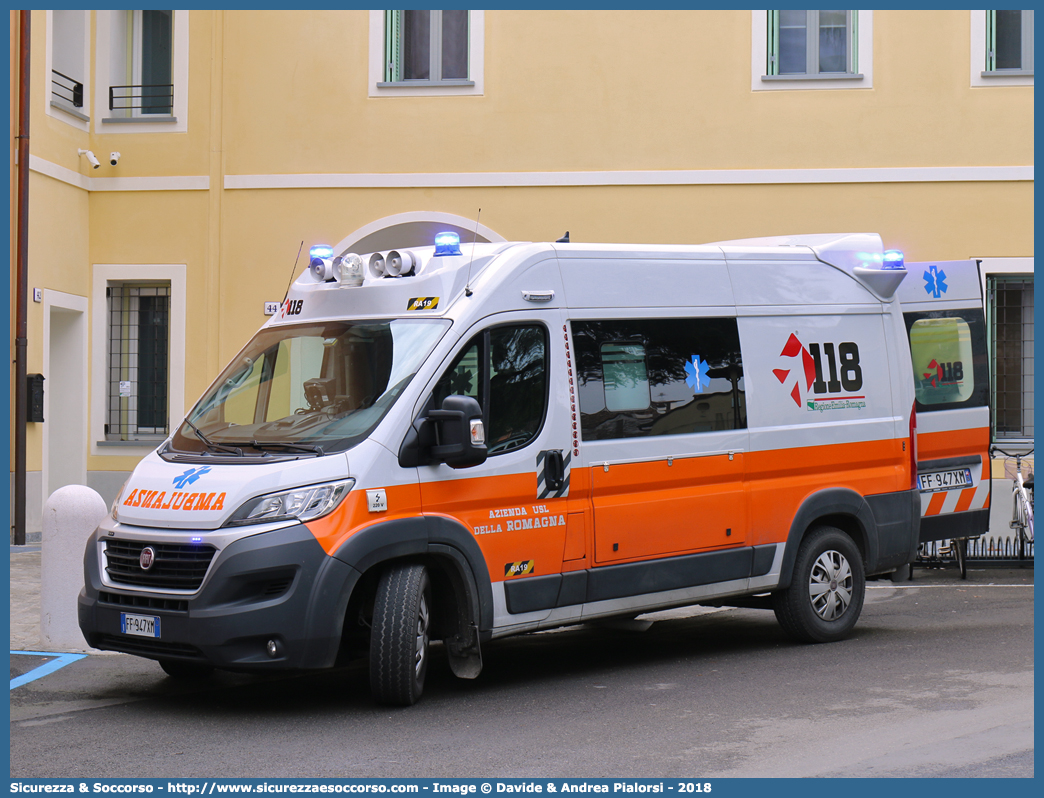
465 655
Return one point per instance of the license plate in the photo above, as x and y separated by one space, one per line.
140 625
945 480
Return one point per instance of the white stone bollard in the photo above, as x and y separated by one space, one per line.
70 515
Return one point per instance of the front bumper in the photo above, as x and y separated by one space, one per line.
278 585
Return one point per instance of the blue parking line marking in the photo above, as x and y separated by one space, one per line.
59 661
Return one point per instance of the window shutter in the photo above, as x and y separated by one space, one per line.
991 41
393 46
853 41
772 58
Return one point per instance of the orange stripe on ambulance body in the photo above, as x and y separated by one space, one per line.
952 443
698 503
508 521
652 509
936 504
964 502
781 479
354 515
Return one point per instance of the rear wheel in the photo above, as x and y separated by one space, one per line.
400 635
186 671
826 592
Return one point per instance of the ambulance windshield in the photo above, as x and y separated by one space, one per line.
313 388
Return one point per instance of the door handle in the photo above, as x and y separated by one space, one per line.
554 469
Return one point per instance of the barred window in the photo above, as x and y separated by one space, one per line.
139 343
1011 354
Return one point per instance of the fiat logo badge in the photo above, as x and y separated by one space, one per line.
147 558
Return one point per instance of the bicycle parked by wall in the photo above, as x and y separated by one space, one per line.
1022 502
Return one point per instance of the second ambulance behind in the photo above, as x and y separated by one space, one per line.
463 443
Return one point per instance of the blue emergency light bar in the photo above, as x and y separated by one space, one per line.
324 251
893 259
447 244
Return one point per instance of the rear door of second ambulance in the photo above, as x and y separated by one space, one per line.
943 309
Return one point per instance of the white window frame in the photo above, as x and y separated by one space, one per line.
77 117
103 275
474 86
980 77
761 81
177 122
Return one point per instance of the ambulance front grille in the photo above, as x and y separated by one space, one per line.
143 602
147 648
175 566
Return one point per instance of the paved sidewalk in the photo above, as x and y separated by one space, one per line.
25 604
25 599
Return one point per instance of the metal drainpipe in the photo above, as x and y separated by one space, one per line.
23 275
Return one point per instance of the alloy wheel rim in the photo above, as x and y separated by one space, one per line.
423 620
830 585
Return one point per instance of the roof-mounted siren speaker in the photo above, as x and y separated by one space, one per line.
376 265
321 263
322 269
399 264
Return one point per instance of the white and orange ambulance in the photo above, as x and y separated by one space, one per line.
460 443
943 308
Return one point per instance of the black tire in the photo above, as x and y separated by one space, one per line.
399 635
902 573
185 671
826 592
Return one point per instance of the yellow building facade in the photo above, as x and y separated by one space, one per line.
227 141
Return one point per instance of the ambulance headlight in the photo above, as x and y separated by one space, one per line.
115 508
893 259
349 269
447 244
302 504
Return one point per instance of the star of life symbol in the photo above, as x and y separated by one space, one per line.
696 374
794 348
190 476
935 281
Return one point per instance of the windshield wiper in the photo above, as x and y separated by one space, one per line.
214 447
299 447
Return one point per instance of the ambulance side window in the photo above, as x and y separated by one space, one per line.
505 370
643 377
463 377
948 351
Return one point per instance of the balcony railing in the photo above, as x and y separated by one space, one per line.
65 88
148 99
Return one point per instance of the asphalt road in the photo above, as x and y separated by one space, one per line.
936 681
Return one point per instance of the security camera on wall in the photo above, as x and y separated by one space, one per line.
91 157
114 158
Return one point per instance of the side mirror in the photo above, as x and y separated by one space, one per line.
462 436
453 435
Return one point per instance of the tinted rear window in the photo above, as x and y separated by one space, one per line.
948 350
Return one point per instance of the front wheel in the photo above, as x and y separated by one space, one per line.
400 634
826 592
